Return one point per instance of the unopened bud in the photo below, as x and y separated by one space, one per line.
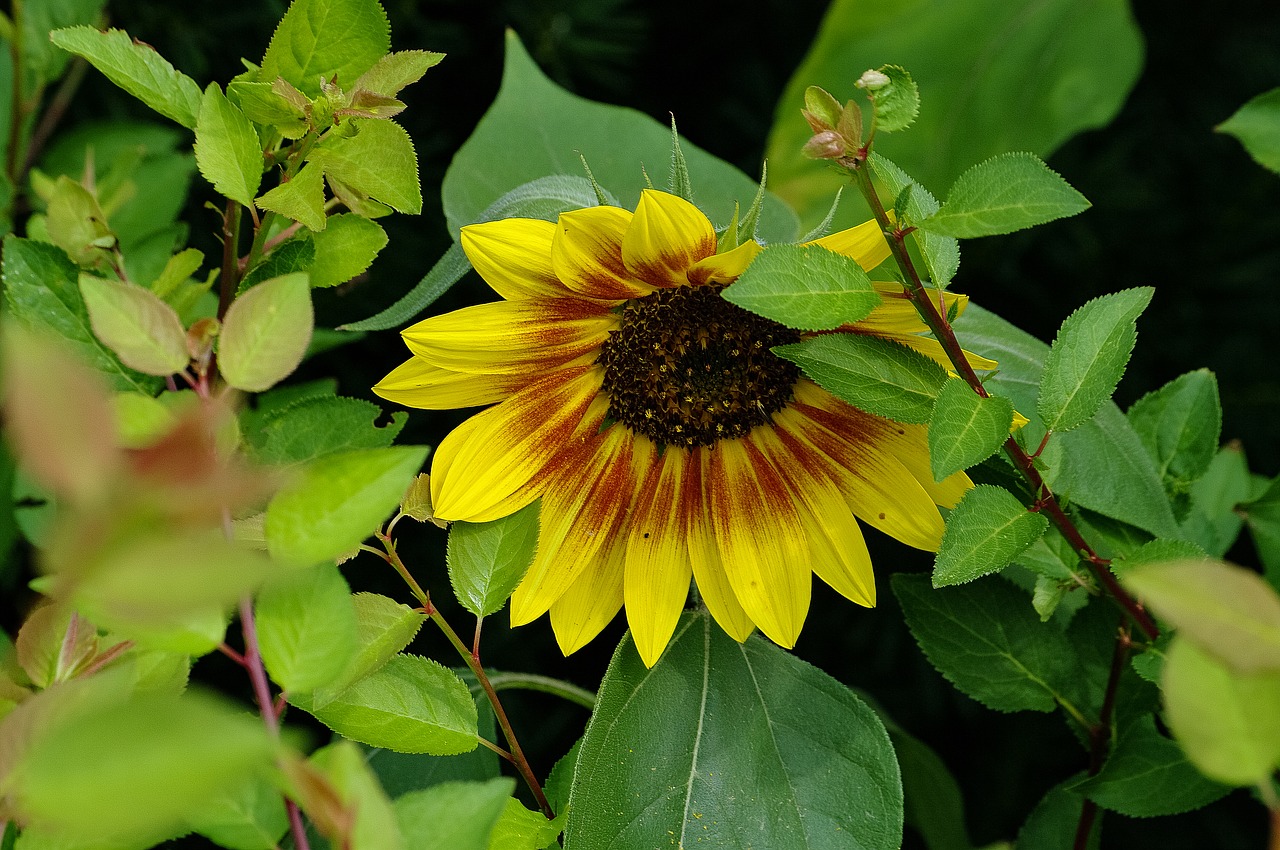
872 81
825 145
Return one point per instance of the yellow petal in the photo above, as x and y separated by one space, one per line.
838 552
656 583
512 337
708 571
587 254
509 444
931 348
667 236
896 314
591 601
585 507
761 542
416 383
864 243
514 257
722 268
877 487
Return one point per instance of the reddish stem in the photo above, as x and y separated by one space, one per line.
1100 732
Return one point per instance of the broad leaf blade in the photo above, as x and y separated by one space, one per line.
326 39
228 151
307 628
985 533
804 287
966 428
144 332
988 642
1257 126
714 745
137 69
378 161
1003 194
487 560
452 815
1088 358
265 333
872 374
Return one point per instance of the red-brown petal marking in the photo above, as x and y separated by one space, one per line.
509 444
761 542
511 337
656 583
585 505
587 254
667 236
704 555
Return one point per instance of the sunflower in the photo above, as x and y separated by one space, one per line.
663 436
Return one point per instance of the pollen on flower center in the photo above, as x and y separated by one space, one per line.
687 368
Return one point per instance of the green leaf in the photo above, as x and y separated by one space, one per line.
804 287
1108 470
77 224
1147 775
177 270
265 333
375 824
966 428
521 829
985 533
555 127
345 248
1228 611
396 70
873 374
978 62
1179 424
383 628
247 816
934 805
338 501
1158 551
714 747
988 642
1052 823
325 39
1226 722
452 815
1006 193
896 101
1213 520
137 68
40 57
488 559
559 782
307 628
228 151
378 161
144 332
410 705
544 198
300 199
316 427
193 746
941 254
1088 358
1257 126
298 254
41 288
262 104
1263 516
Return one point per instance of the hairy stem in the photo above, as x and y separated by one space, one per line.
472 660
1046 501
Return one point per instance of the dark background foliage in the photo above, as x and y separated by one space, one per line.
1175 206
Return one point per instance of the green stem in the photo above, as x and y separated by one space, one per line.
472 661
1046 501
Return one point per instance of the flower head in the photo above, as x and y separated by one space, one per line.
663 436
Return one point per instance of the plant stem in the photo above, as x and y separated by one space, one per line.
230 267
1100 733
53 113
472 660
1046 501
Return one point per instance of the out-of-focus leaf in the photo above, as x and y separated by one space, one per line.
452 815
265 333
307 628
144 332
1257 126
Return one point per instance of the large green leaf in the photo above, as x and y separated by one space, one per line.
553 127
723 744
989 643
326 39
307 628
977 62
452 815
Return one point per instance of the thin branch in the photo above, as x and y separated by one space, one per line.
53 114
230 269
1100 733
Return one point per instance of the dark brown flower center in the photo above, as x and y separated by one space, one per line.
687 368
